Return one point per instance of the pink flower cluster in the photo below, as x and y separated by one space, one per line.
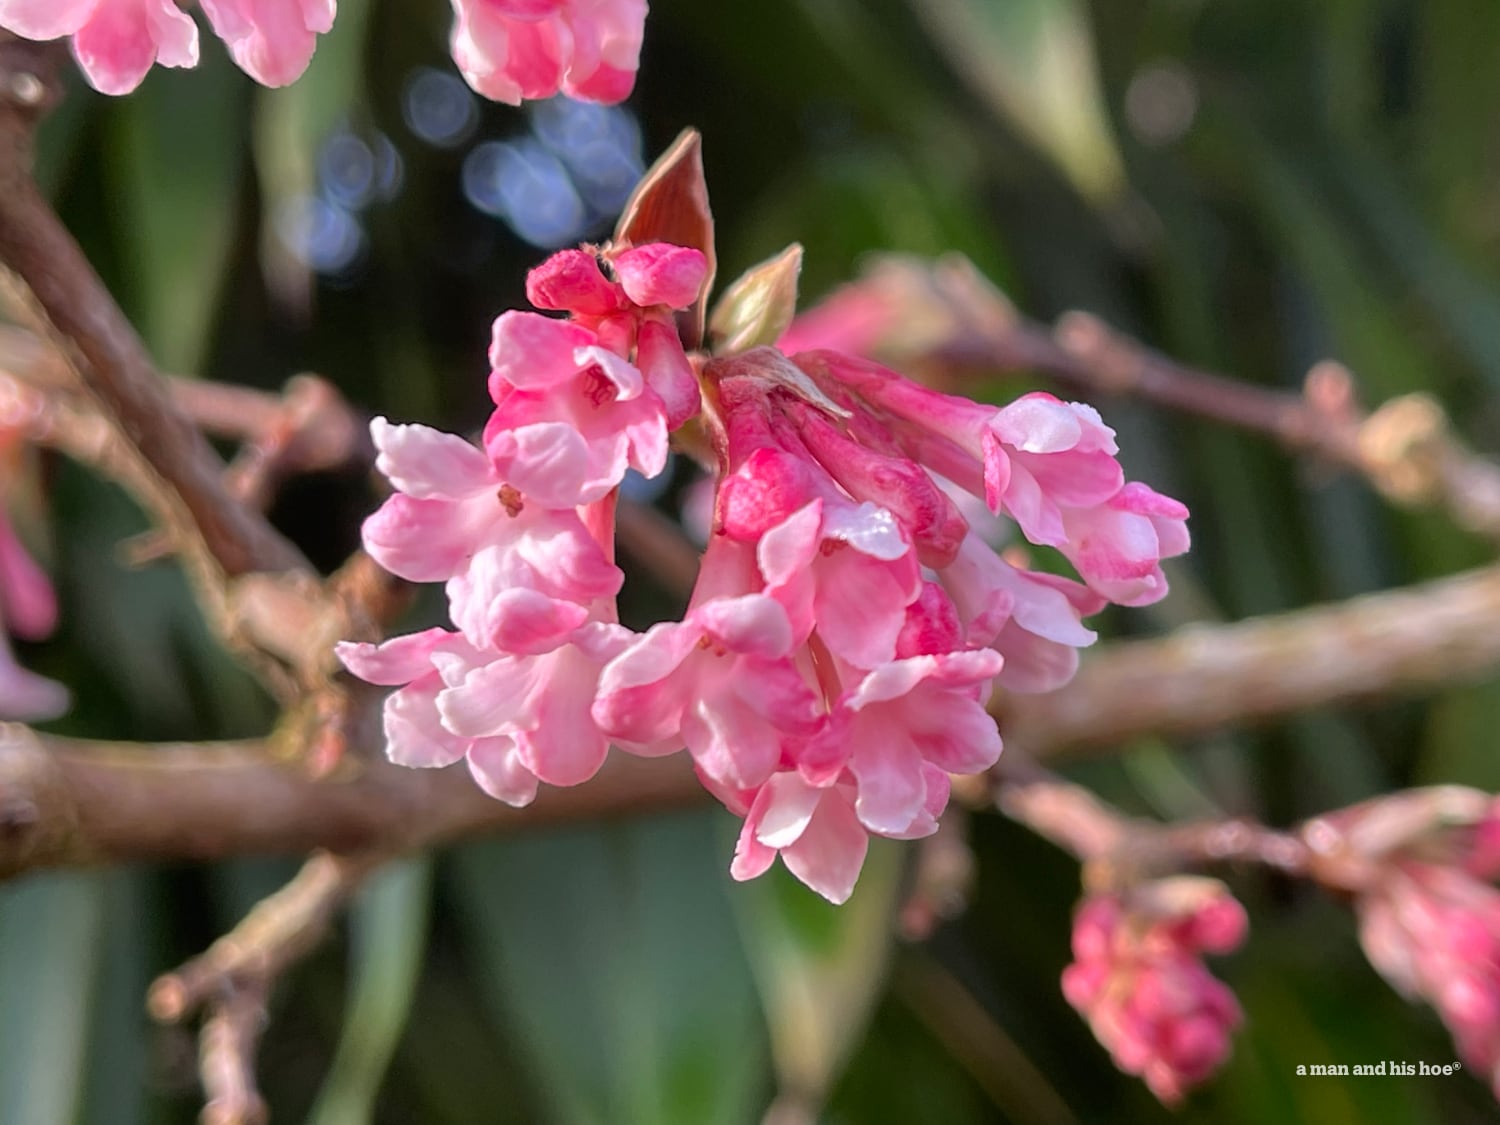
507 49
1138 978
521 529
1433 930
848 623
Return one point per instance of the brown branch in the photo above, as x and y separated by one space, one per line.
59 290
1204 677
1406 448
233 979
68 803
277 932
1116 849
946 321
226 1060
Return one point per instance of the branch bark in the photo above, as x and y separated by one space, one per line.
1204 677
71 803
60 291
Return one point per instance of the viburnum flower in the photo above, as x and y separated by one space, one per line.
848 622
518 573
1138 978
510 50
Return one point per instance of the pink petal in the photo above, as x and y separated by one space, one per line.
665 365
414 735
788 810
662 274
271 40
397 661
530 351
495 697
788 549
754 625
45 19
419 540
888 770
563 746
496 766
730 741
829 855
571 281
548 462
427 463
527 621
118 44
28 604
861 604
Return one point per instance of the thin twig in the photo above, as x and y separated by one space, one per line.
1115 848
947 322
277 932
227 1047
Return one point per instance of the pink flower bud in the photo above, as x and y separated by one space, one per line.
571 281
1138 980
661 274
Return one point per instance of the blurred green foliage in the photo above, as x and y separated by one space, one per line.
1252 187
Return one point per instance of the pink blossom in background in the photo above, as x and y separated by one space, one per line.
1433 931
1138 978
511 50
271 40
115 41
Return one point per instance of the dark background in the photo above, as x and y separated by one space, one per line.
1251 187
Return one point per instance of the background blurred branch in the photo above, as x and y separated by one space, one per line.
949 321
57 288
1203 677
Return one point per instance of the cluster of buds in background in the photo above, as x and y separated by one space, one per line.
848 623
1138 978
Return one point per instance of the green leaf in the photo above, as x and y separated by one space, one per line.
179 145
1032 61
120 1042
51 933
611 953
388 934
291 124
820 968
757 308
